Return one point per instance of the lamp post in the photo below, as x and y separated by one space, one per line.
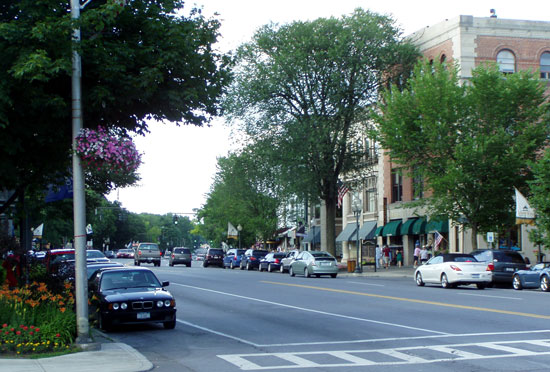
313 234
239 228
356 208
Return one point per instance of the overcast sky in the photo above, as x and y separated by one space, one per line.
180 162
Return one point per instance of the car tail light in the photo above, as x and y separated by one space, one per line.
456 268
490 267
313 263
173 255
208 256
234 258
277 261
252 258
139 253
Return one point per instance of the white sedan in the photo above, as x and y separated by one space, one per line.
452 269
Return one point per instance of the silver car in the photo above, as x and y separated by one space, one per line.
180 255
314 263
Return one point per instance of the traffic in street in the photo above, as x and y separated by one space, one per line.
232 320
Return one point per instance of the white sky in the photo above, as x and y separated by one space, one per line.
180 162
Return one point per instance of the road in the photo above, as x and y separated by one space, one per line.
233 320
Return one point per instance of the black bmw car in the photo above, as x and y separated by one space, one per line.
131 295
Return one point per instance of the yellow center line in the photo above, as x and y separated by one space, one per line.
529 315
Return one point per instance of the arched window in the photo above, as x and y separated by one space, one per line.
443 60
545 65
506 62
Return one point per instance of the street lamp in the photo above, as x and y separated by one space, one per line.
356 208
313 232
239 228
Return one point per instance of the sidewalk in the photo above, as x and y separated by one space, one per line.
110 356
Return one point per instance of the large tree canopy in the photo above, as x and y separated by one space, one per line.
470 142
302 89
140 61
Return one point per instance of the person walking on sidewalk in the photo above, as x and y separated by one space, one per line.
416 254
378 256
423 255
399 258
386 255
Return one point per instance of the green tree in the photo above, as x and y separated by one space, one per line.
241 194
470 142
141 61
302 90
540 199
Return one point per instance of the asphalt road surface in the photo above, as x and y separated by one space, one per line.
233 320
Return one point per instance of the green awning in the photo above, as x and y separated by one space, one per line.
439 226
406 227
419 226
348 233
392 228
378 231
366 232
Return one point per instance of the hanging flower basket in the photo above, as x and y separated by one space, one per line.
107 157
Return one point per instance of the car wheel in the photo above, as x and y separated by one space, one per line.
306 273
231 266
104 324
170 324
136 263
333 275
445 281
480 286
419 281
204 264
260 268
241 266
269 268
516 283
282 269
188 265
172 264
544 283
291 271
248 266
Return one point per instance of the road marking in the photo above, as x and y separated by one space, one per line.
218 333
456 306
369 284
387 357
312 310
480 295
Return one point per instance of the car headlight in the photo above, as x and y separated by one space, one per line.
160 303
167 303
124 306
116 306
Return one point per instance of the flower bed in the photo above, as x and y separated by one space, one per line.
35 320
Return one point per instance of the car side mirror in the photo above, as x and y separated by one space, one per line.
165 284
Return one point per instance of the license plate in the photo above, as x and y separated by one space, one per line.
143 315
475 275
325 263
510 269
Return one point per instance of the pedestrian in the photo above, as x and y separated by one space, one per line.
386 256
399 258
416 253
423 255
378 256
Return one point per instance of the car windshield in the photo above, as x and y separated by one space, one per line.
129 279
94 254
215 251
509 257
459 258
279 255
181 250
320 255
150 247
260 253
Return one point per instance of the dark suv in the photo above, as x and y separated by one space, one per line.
505 262
214 256
251 258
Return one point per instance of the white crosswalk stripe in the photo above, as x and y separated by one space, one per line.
388 356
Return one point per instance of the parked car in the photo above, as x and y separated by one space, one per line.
314 263
147 253
453 269
200 254
91 268
505 263
125 253
180 255
131 295
251 258
272 261
110 254
531 278
93 255
290 256
232 258
214 256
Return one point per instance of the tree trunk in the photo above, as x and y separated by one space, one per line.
474 238
330 212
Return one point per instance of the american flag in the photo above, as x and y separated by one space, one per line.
438 239
342 190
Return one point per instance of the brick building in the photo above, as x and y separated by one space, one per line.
469 41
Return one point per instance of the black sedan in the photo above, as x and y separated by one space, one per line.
131 295
532 278
272 261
